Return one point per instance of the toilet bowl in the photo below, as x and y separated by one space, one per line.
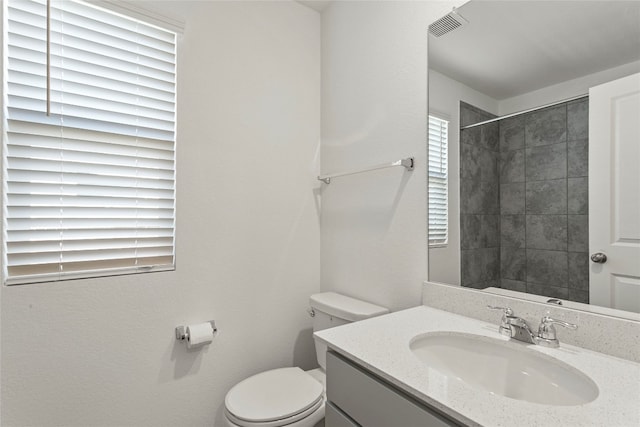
290 396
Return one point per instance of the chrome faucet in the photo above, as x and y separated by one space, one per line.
517 328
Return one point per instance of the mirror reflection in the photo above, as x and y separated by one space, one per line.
517 90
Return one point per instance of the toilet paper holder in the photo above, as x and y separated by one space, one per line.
181 331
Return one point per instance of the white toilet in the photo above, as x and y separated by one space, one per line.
290 396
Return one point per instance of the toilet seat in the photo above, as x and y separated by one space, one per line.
302 416
274 398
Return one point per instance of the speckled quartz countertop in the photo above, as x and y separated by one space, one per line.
381 345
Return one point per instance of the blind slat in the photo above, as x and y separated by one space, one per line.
437 175
90 189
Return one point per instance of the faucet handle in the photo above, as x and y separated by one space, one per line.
505 326
547 331
547 321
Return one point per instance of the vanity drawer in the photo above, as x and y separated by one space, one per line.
334 417
371 402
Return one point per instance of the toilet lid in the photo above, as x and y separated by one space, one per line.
273 395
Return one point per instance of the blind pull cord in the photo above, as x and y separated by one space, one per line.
48 58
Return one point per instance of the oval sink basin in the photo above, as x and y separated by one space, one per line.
504 368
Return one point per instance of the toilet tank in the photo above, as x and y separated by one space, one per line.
332 309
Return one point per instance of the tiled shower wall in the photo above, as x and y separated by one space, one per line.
479 200
542 165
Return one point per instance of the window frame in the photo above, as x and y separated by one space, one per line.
442 243
136 15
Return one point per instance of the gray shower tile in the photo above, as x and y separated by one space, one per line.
492 284
579 270
578 235
512 166
479 231
578 120
490 136
512 198
578 158
482 285
546 267
547 232
547 197
478 163
548 291
513 264
478 197
484 136
513 285
479 265
470 114
578 202
470 136
578 296
512 133
469 117
546 162
512 231
547 126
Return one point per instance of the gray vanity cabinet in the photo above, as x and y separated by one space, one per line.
357 397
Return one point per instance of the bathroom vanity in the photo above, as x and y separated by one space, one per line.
354 393
380 373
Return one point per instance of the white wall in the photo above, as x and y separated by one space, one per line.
103 351
374 110
565 90
445 95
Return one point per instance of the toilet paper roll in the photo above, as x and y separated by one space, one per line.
199 334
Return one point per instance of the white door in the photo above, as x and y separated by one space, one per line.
614 193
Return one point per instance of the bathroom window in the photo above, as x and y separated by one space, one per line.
89 143
438 181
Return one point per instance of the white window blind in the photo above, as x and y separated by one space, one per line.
90 189
438 200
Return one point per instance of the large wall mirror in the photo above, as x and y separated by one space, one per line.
518 187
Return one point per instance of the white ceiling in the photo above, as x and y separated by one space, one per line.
513 47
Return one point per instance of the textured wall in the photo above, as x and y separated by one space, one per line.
103 351
524 207
543 202
479 199
374 110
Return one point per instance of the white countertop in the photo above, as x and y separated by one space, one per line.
382 346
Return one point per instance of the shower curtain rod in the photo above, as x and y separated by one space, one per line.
525 111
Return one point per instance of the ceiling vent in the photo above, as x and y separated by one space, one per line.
446 24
